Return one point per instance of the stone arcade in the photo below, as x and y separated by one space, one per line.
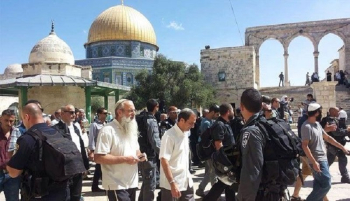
231 70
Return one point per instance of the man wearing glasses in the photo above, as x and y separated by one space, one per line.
72 132
94 130
170 121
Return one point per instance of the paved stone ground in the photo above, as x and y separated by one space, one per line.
339 191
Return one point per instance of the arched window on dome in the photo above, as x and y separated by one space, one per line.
129 79
142 51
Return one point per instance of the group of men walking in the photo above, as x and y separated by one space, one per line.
160 151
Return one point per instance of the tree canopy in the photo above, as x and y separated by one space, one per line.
173 82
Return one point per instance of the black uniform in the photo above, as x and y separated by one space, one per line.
76 182
165 125
27 159
332 151
252 146
221 132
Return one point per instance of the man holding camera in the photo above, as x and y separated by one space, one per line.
339 135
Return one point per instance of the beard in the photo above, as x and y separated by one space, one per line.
129 126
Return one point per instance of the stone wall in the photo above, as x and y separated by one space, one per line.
324 93
53 97
343 100
235 65
51 69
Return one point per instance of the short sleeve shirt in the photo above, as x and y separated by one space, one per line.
112 140
222 132
15 134
313 132
205 124
175 149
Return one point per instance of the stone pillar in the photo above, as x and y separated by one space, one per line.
88 103
286 79
316 53
257 70
324 92
347 57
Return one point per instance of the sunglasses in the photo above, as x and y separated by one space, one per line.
70 112
104 113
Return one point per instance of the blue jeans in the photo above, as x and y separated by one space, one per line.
322 183
10 186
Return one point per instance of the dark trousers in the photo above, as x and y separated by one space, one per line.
149 179
217 189
122 195
279 84
193 147
332 152
58 194
75 187
187 195
97 176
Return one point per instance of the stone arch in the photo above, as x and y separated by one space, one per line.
306 35
331 56
339 34
285 33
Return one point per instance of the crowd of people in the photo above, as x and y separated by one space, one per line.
162 147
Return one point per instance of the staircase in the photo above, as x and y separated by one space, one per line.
297 92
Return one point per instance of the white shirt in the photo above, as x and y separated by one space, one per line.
75 137
175 149
342 114
54 122
112 140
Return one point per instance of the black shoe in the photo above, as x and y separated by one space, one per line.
192 171
345 179
296 199
97 190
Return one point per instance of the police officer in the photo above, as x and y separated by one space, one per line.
170 121
25 159
252 144
223 137
150 144
339 135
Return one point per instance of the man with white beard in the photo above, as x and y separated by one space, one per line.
117 150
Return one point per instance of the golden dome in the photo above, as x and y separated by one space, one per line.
121 23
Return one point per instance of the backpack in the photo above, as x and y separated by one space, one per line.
281 152
60 157
205 148
145 146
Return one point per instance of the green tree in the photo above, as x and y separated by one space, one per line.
173 82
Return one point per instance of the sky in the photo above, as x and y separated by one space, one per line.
182 27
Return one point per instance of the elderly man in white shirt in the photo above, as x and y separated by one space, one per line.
117 150
175 177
